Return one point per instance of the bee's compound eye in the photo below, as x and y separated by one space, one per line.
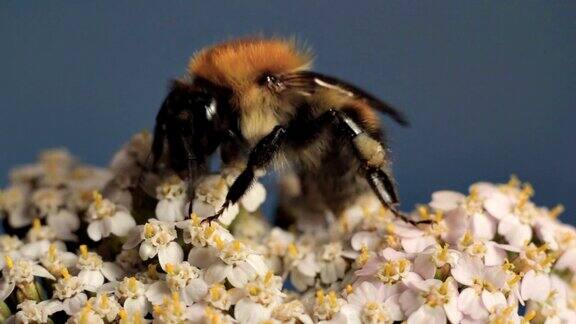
272 82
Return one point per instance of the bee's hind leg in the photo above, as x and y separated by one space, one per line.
375 161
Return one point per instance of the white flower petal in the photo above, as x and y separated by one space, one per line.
535 286
195 290
428 315
470 303
91 279
123 223
147 250
72 305
254 197
217 272
202 257
171 253
96 230
40 271
515 233
247 311
157 291
112 271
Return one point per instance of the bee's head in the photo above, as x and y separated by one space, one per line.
248 67
189 123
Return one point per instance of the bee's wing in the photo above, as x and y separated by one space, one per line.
308 82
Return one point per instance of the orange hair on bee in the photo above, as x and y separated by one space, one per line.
237 63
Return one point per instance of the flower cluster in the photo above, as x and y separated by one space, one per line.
118 245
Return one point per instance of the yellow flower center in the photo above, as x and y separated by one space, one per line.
9 262
437 296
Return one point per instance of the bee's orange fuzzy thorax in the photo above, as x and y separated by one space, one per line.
238 63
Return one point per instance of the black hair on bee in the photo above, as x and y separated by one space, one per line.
257 95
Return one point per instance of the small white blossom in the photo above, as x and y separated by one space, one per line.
93 270
156 238
107 218
171 196
19 273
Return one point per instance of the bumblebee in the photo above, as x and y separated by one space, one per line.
258 102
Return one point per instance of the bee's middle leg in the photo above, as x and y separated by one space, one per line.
258 160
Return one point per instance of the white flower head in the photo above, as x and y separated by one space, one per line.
237 263
31 311
85 315
156 238
70 291
332 263
326 306
93 270
104 305
105 218
183 279
13 202
131 293
47 201
210 196
171 196
373 303
484 285
18 273
431 301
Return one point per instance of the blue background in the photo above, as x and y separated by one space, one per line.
490 88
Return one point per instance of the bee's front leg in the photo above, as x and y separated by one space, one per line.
258 160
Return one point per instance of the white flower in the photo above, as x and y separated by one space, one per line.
276 245
56 259
183 279
237 263
491 252
127 317
13 202
484 284
70 290
326 307
64 223
171 196
157 238
201 313
391 267
332 264
291 312
469 209
255 195
9 246
93 269
221 298
516 215
47 201
107 307
40 238
210 196
373 303
260 296
19 273
202 234
301 261
131 293
31 311
85 315
107 218
172 311
431 301
433 258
